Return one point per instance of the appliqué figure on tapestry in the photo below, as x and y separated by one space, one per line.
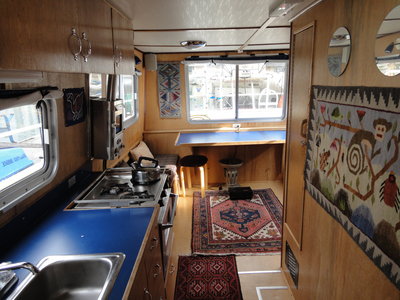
352 166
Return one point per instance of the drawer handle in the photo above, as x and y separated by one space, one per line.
148 294
166 225
172 269
154 242
158 268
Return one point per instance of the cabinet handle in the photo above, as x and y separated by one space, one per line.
86 47
74 43
117 56
154 242
172 269
148 294
158 268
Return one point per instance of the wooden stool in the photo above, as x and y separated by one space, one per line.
194 161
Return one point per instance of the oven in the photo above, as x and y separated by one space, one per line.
166 222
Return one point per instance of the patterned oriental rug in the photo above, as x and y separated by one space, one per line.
207 277
224 226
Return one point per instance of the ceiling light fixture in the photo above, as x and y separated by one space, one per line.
192 45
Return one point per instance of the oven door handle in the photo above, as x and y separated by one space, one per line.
166 226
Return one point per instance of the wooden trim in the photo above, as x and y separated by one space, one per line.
117 10
312 27
233 143
207 29
304 10
129 285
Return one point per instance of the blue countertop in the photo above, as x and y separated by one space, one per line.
85 232
231 138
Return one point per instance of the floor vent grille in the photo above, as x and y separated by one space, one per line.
292 264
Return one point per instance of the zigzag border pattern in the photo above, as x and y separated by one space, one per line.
370 97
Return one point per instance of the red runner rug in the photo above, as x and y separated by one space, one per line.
224 226
207 278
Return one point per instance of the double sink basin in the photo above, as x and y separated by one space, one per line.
90 276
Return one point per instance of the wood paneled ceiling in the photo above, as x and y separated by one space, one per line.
226 25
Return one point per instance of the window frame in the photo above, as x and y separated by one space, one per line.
126 123
238 120
16 193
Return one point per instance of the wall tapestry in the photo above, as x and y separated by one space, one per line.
169 89
353 166
74 106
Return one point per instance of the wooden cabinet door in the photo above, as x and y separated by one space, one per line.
301 68
95 22
34 35
153 262
139 287
124 57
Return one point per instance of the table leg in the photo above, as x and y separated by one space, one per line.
182 181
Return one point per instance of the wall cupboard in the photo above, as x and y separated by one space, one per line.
124 58
42 35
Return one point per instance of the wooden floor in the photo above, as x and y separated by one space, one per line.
255 285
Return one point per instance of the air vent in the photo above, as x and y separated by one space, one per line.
292 265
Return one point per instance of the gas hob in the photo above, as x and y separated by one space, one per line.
114 188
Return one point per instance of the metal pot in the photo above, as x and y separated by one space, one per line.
145 174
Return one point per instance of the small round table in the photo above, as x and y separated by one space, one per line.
231 166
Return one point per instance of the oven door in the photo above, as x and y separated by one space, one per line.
166 230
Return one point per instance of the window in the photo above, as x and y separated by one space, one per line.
28 150
127 91
236 92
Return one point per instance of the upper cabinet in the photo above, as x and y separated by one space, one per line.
96 36
124 57
35 35
65 36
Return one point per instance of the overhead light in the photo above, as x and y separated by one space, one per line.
192 45
283 8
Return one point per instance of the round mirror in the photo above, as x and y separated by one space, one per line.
387 44
339 51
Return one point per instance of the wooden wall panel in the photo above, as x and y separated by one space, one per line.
332 266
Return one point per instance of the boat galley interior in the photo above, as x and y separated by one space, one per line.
207 149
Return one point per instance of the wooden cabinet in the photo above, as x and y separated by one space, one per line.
34 35
95 22
148 282
37 35
124 57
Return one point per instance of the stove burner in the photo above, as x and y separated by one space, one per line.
125 191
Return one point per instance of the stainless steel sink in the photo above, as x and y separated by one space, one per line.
83 277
